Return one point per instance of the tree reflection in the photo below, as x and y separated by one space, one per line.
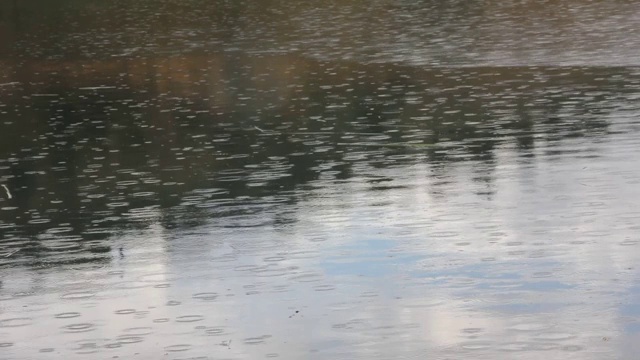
88 142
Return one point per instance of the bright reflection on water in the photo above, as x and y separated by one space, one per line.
336 180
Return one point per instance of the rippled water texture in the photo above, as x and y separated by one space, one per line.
319 180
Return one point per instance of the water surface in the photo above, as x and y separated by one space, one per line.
336 180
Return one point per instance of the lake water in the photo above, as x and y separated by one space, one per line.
319 180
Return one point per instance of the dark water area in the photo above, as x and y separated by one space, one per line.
325 180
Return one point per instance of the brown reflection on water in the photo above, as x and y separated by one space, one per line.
423 33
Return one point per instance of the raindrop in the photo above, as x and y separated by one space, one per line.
324 287
530 326
128 339
215 331
15 322
67 315
475 346
554 336
256 340
77 296
206 296
125 311
177 348
76 328
189 318
138 331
